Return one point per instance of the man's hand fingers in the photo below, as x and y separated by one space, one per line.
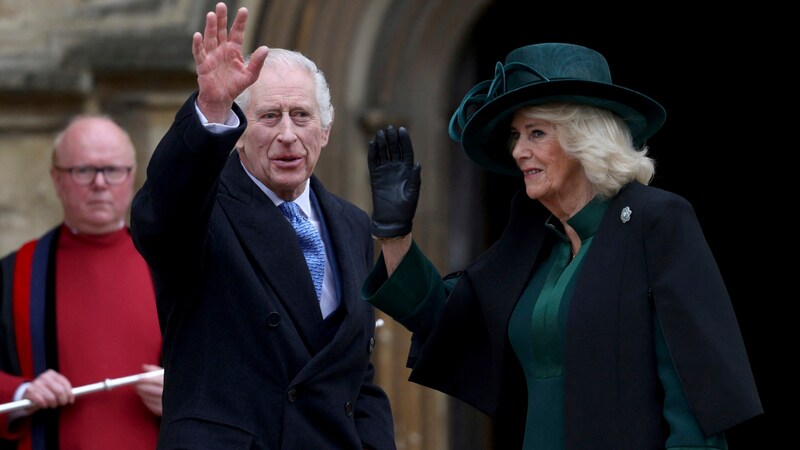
197 48
210 33
238 27
256 61
222 24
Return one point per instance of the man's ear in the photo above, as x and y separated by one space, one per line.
326 134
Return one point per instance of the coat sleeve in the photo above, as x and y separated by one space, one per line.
10 380
174 204
697 318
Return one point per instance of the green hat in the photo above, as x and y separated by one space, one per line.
537 74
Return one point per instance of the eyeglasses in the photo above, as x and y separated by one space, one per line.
86 174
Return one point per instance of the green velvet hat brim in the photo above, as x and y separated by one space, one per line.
485 135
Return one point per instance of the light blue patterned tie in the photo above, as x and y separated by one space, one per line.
310 242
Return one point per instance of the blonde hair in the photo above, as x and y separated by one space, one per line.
601 141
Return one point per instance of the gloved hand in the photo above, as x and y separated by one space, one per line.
395 179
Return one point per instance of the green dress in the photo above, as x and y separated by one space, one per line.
536 333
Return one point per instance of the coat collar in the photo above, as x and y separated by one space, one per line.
270 241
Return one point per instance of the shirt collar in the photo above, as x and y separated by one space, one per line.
585 222
303 201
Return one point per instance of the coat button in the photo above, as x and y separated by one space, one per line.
273 319
371 344
291 395
348 409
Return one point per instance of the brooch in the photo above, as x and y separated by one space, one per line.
626 214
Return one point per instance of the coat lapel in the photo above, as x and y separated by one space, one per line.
510 262
270 242
340 235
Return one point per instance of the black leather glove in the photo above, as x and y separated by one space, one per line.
395 182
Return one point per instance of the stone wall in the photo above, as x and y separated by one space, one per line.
128 58
132 59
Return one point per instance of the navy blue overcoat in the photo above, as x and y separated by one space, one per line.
248 363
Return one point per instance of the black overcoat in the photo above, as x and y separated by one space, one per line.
655 265
247 361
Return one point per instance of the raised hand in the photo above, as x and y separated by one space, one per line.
395 179
222 72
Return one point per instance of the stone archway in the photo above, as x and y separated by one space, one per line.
395 62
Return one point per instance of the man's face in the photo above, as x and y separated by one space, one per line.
95 207
284 135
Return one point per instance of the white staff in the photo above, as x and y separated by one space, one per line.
106 385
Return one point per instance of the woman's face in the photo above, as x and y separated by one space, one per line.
550 175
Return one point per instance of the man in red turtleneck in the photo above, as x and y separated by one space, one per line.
78 307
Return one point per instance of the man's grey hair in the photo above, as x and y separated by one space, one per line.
279 57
